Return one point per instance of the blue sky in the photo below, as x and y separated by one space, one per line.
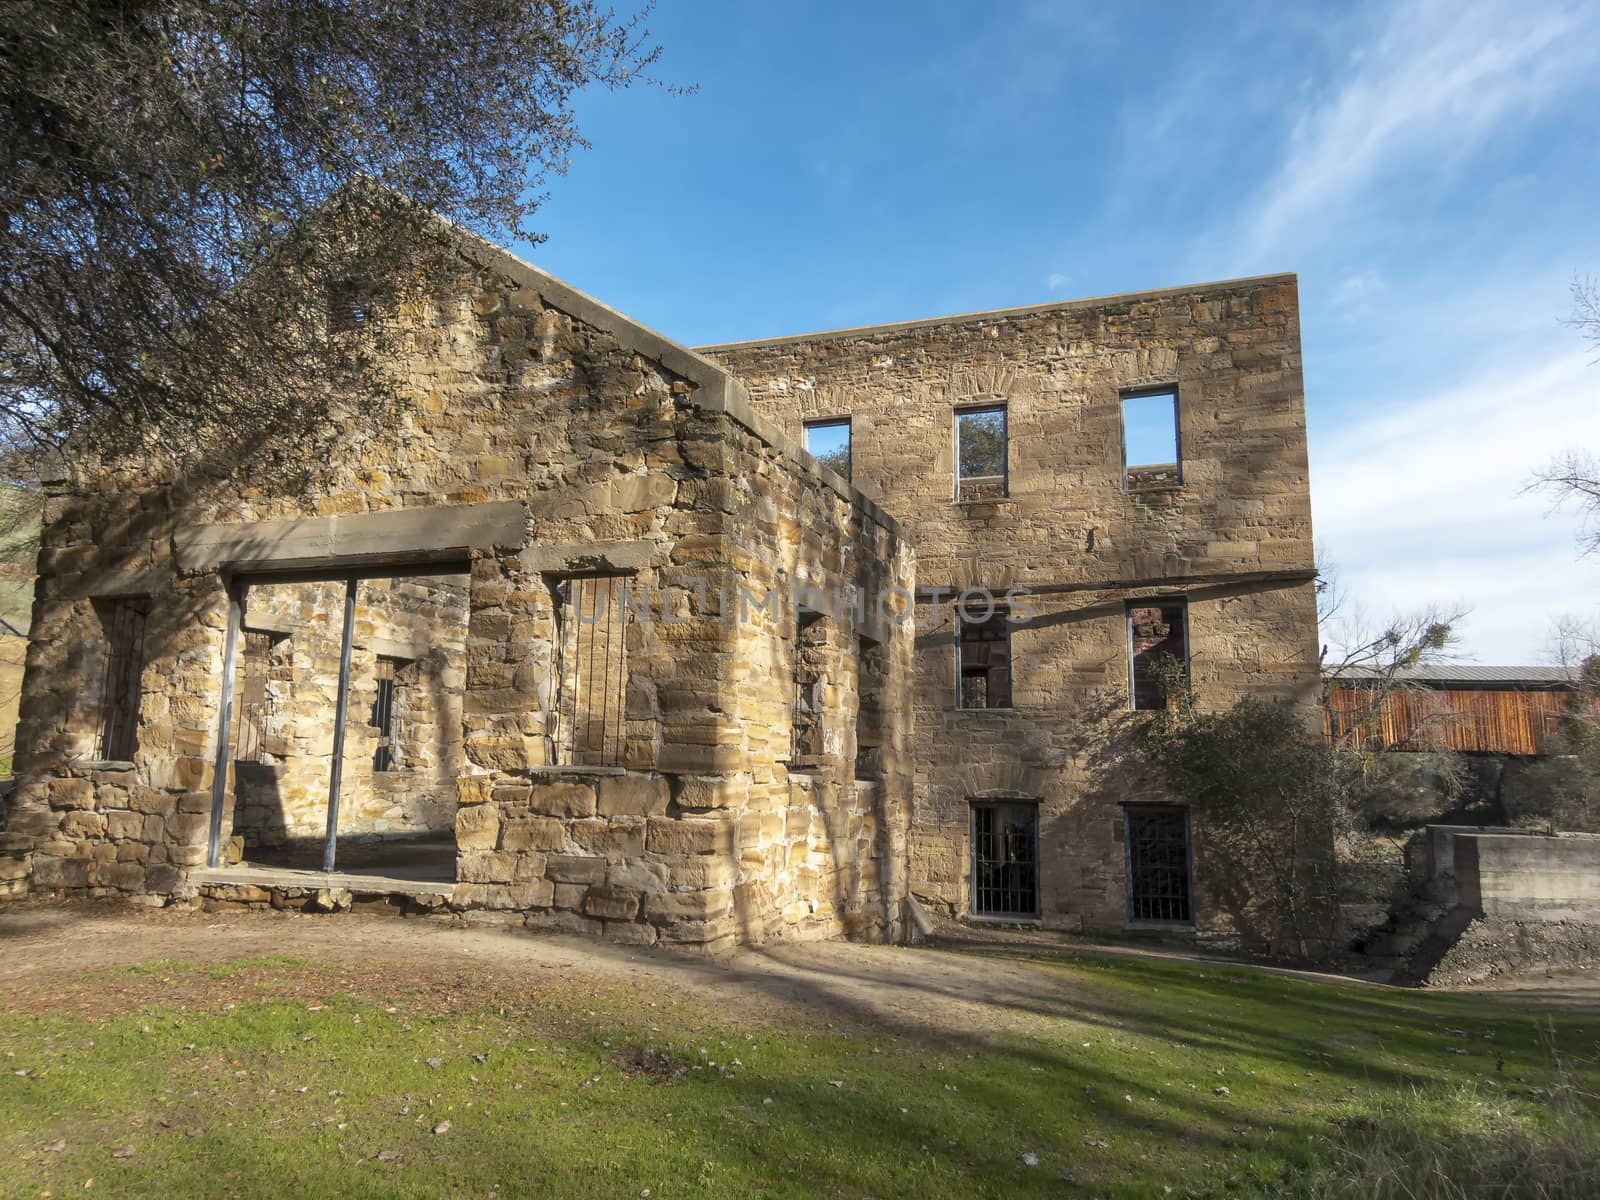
1431 171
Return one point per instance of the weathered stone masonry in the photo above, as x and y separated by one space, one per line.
769 770
550 439
1233 538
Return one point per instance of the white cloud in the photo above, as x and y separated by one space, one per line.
1437 79
1424 499
1055 281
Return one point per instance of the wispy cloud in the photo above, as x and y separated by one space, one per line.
1425 499
1434 81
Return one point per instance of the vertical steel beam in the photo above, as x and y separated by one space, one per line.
340 714
219 774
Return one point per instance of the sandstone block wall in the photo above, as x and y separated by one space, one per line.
283 740
627 456
1234 539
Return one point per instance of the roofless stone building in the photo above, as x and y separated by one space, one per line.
598 646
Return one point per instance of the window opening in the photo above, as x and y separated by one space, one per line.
1158 863
829 443
1150 440
983 661
124 624
1158 648
1005 855
981 453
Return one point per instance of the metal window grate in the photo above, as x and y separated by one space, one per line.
1158 863
1005 856
591 668
124 622
251 714
383 755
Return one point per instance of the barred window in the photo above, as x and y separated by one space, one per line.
124 622
591 670
383 719
1005 858
1158 863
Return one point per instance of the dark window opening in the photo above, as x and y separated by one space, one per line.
1158 863
829 443
1005 857
1158 649
1150 456
981 453
124 624
383 719
869 710
810 686
349 307
983 661
591 670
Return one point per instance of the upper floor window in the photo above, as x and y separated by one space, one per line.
1158 649
981 453
1150 439
828 442
983 660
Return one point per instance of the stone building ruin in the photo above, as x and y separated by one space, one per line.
600 647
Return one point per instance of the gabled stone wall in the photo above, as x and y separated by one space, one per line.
618 453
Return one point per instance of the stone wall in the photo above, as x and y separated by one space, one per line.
1234 538
616 454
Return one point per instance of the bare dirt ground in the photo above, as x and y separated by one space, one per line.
923 990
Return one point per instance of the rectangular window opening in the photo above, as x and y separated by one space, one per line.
383 717
1005 857
983 660
812 634
591 670
1158 863
828 442
1150 456
1158 650
250 698
870 667
981 454
124 624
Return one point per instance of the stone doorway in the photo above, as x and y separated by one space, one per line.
343 735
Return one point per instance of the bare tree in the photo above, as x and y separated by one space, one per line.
1573 476
162 278
1586 309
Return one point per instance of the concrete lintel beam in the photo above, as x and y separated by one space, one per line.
399 535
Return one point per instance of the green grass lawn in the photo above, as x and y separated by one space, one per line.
288 1078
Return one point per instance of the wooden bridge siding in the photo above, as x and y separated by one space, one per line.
1499 721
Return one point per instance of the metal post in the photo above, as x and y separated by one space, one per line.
341 711
219 776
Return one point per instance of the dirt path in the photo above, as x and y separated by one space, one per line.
925 990
933 991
